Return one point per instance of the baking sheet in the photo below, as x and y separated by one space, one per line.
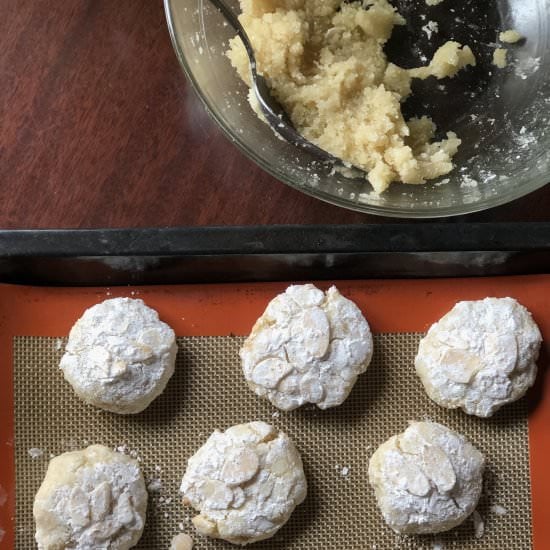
339 507
340 510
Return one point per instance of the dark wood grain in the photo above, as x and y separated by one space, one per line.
100 129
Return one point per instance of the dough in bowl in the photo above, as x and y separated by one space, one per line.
245 482
480 356
427 479
119 356
309 346
325 64
90 499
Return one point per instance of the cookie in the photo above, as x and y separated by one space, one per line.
245 482
89 499
427 479
119 355
480 356
309 346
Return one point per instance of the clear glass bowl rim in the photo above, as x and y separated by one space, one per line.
514 192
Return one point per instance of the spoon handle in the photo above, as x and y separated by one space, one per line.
274 113
233 20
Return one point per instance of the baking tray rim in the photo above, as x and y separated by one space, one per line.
106 257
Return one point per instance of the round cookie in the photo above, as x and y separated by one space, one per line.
307 347
245 482
89 499
119 356
480 356
427 479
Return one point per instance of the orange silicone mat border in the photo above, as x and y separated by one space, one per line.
220 310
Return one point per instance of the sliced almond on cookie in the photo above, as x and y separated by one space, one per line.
100 501
306 295
316 331
417 483
79 508
217 493
241 465
438 468
311 389
460 365
269 372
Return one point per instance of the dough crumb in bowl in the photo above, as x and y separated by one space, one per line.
500 58
510 36
326 65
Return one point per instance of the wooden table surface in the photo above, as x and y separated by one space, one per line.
99 128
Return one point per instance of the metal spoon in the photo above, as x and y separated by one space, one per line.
271 108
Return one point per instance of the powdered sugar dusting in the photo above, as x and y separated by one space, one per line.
498 510
526 67
35 453
431 27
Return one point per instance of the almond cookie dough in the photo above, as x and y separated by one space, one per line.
480 356
245 482
325 64
90 499
511 36
427 479
308 347
119 356
500 58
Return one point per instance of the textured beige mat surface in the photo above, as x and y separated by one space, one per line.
208 392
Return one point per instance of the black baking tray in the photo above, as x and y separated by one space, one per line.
111 257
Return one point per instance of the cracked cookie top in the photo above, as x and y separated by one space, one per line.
119 356
90 499
427 479
308 347
245 482
480 356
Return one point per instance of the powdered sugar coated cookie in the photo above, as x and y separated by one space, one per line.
480 356
245 482
119 356
427 479
308 347
90 499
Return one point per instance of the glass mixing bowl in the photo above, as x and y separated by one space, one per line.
501 115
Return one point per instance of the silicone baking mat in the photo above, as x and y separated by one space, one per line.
207 392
